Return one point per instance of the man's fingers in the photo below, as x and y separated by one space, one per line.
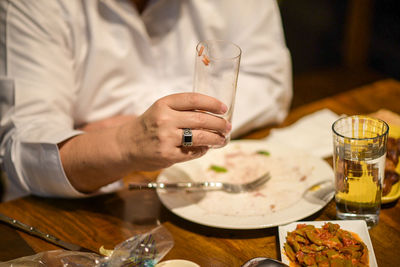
195 101
202 120
202 138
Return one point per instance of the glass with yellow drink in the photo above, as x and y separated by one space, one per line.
359 163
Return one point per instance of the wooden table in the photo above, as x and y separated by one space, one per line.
109 219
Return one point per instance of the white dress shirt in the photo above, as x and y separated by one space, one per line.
67 63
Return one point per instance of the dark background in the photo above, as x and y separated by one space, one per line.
337 45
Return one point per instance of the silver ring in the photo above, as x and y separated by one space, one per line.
187 137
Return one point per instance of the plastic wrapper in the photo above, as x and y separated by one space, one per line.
144 250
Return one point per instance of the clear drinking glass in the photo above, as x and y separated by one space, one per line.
216 73
359 163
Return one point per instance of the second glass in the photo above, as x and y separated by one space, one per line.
359 163
216 73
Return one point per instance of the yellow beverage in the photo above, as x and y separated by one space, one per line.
359 164
359 187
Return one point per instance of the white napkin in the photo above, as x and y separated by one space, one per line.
312 133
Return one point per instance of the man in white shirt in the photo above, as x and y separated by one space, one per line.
93 90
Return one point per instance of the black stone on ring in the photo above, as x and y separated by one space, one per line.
187 137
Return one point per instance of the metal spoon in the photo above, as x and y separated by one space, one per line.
263 262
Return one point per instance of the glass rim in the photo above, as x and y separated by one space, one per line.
364 138
220 41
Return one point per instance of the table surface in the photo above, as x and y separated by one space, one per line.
109 219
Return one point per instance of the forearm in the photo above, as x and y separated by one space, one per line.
93 159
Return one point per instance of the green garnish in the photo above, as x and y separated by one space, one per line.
263 152
217 168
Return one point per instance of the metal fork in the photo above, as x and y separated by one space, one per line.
199 186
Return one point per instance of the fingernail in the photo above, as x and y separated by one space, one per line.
224 108
228 127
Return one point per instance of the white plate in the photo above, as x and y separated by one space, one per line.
356 226
177 263
281 200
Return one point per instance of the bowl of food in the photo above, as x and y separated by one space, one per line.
333 243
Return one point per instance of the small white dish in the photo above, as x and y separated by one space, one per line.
356 226
177 263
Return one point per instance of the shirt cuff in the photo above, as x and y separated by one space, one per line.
38 170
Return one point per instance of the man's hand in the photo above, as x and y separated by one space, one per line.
115 147
156 136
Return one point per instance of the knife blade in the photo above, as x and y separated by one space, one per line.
38 233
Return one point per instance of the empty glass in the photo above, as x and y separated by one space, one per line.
216 73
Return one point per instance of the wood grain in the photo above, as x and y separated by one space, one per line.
110 219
